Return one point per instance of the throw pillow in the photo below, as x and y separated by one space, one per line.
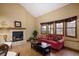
57 38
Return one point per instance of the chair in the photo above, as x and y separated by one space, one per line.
4 51
9 43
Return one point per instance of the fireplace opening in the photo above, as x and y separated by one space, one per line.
17 36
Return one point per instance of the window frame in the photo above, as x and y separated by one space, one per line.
70 20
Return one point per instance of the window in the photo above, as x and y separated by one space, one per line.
71 27
59 28
43 28
50 28
68 24
47 28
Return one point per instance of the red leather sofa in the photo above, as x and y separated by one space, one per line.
56 41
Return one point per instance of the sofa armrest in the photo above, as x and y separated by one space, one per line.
60 41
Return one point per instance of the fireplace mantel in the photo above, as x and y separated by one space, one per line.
13 28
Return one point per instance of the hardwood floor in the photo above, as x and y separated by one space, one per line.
25 50
64 52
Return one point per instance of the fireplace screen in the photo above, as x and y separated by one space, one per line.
17 36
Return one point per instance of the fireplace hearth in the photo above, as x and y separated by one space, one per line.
17 36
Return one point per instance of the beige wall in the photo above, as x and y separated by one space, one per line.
62 13
11 12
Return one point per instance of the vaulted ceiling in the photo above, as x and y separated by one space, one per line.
38 9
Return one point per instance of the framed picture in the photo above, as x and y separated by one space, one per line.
17 23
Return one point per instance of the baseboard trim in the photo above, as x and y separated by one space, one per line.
71 49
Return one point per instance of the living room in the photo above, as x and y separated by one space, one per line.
17 21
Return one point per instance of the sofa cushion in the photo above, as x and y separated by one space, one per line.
50 36
43 36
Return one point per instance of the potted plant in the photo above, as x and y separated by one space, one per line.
35 33
34 36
